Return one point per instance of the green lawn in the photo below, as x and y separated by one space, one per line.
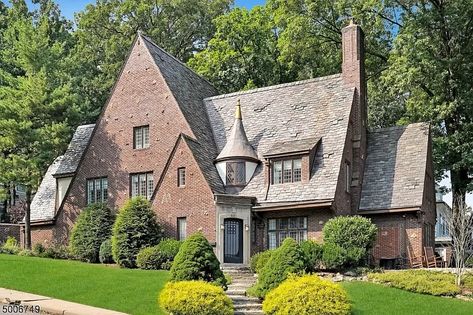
369 298
135 291
130 291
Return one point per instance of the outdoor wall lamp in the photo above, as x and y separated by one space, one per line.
247 228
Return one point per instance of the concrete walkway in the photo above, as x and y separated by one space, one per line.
49 305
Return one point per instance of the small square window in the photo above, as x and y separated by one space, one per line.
181 177
141 137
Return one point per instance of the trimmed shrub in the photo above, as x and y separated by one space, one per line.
194 297
105 253
26 253
354 234
160 256
260 259
307 295
93 227
38 249
333 256
419 281
11 246
56 252
312 252
196 260
286 259
135 228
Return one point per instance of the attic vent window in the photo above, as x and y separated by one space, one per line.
236 173
287 171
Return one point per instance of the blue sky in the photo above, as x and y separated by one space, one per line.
68 7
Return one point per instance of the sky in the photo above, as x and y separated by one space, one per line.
69 7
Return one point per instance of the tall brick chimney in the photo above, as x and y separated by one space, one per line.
353 74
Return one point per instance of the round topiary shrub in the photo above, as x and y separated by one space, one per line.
354 234
194 297
286 259
312 252
93 226
135 228
258 260
196 260
307 295
160 256
105 254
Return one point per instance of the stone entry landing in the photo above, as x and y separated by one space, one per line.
242 279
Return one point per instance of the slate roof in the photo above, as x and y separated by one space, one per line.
43 205
315 108
395 167
69 163
292 146
189 89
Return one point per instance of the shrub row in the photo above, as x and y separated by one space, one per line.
419 281
160 256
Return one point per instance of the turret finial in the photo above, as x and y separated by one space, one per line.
238 110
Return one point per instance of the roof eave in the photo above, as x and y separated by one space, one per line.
294 205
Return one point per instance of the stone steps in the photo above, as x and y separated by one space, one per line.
242 280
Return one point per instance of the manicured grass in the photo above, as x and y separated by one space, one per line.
125 290
370 298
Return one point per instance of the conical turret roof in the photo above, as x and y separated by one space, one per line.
237 146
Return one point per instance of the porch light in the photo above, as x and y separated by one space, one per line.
247 228
222 227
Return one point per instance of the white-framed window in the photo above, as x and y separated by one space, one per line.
181 228
236 173
181 177
282 228
287 171
141 137
97 190
142 184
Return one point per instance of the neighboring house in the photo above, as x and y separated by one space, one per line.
248 169
12 209
443 239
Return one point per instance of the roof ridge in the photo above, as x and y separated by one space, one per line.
399 127
175 59
276 86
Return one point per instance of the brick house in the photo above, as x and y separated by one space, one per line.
248 168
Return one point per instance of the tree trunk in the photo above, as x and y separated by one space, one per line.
459 181
28 218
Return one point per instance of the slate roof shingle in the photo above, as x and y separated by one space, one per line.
315 108
395 167
292 146
69 163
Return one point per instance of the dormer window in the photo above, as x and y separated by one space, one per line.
236 173
287 171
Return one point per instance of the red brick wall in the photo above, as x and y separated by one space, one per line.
193 201
140 97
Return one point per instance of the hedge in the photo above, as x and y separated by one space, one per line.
160 256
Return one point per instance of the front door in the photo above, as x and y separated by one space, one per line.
233 241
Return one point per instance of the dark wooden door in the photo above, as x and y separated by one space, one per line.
233 241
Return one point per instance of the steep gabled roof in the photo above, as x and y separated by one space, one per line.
189 89
69 163
395 168
316 108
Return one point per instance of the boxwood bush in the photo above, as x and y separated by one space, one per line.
349 238
135 228
258 260
160 256
105 254
286 259
312 252
93 227
419 281
194 297
196 260
307 295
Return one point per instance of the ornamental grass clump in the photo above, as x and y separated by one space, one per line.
194 298
307 295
